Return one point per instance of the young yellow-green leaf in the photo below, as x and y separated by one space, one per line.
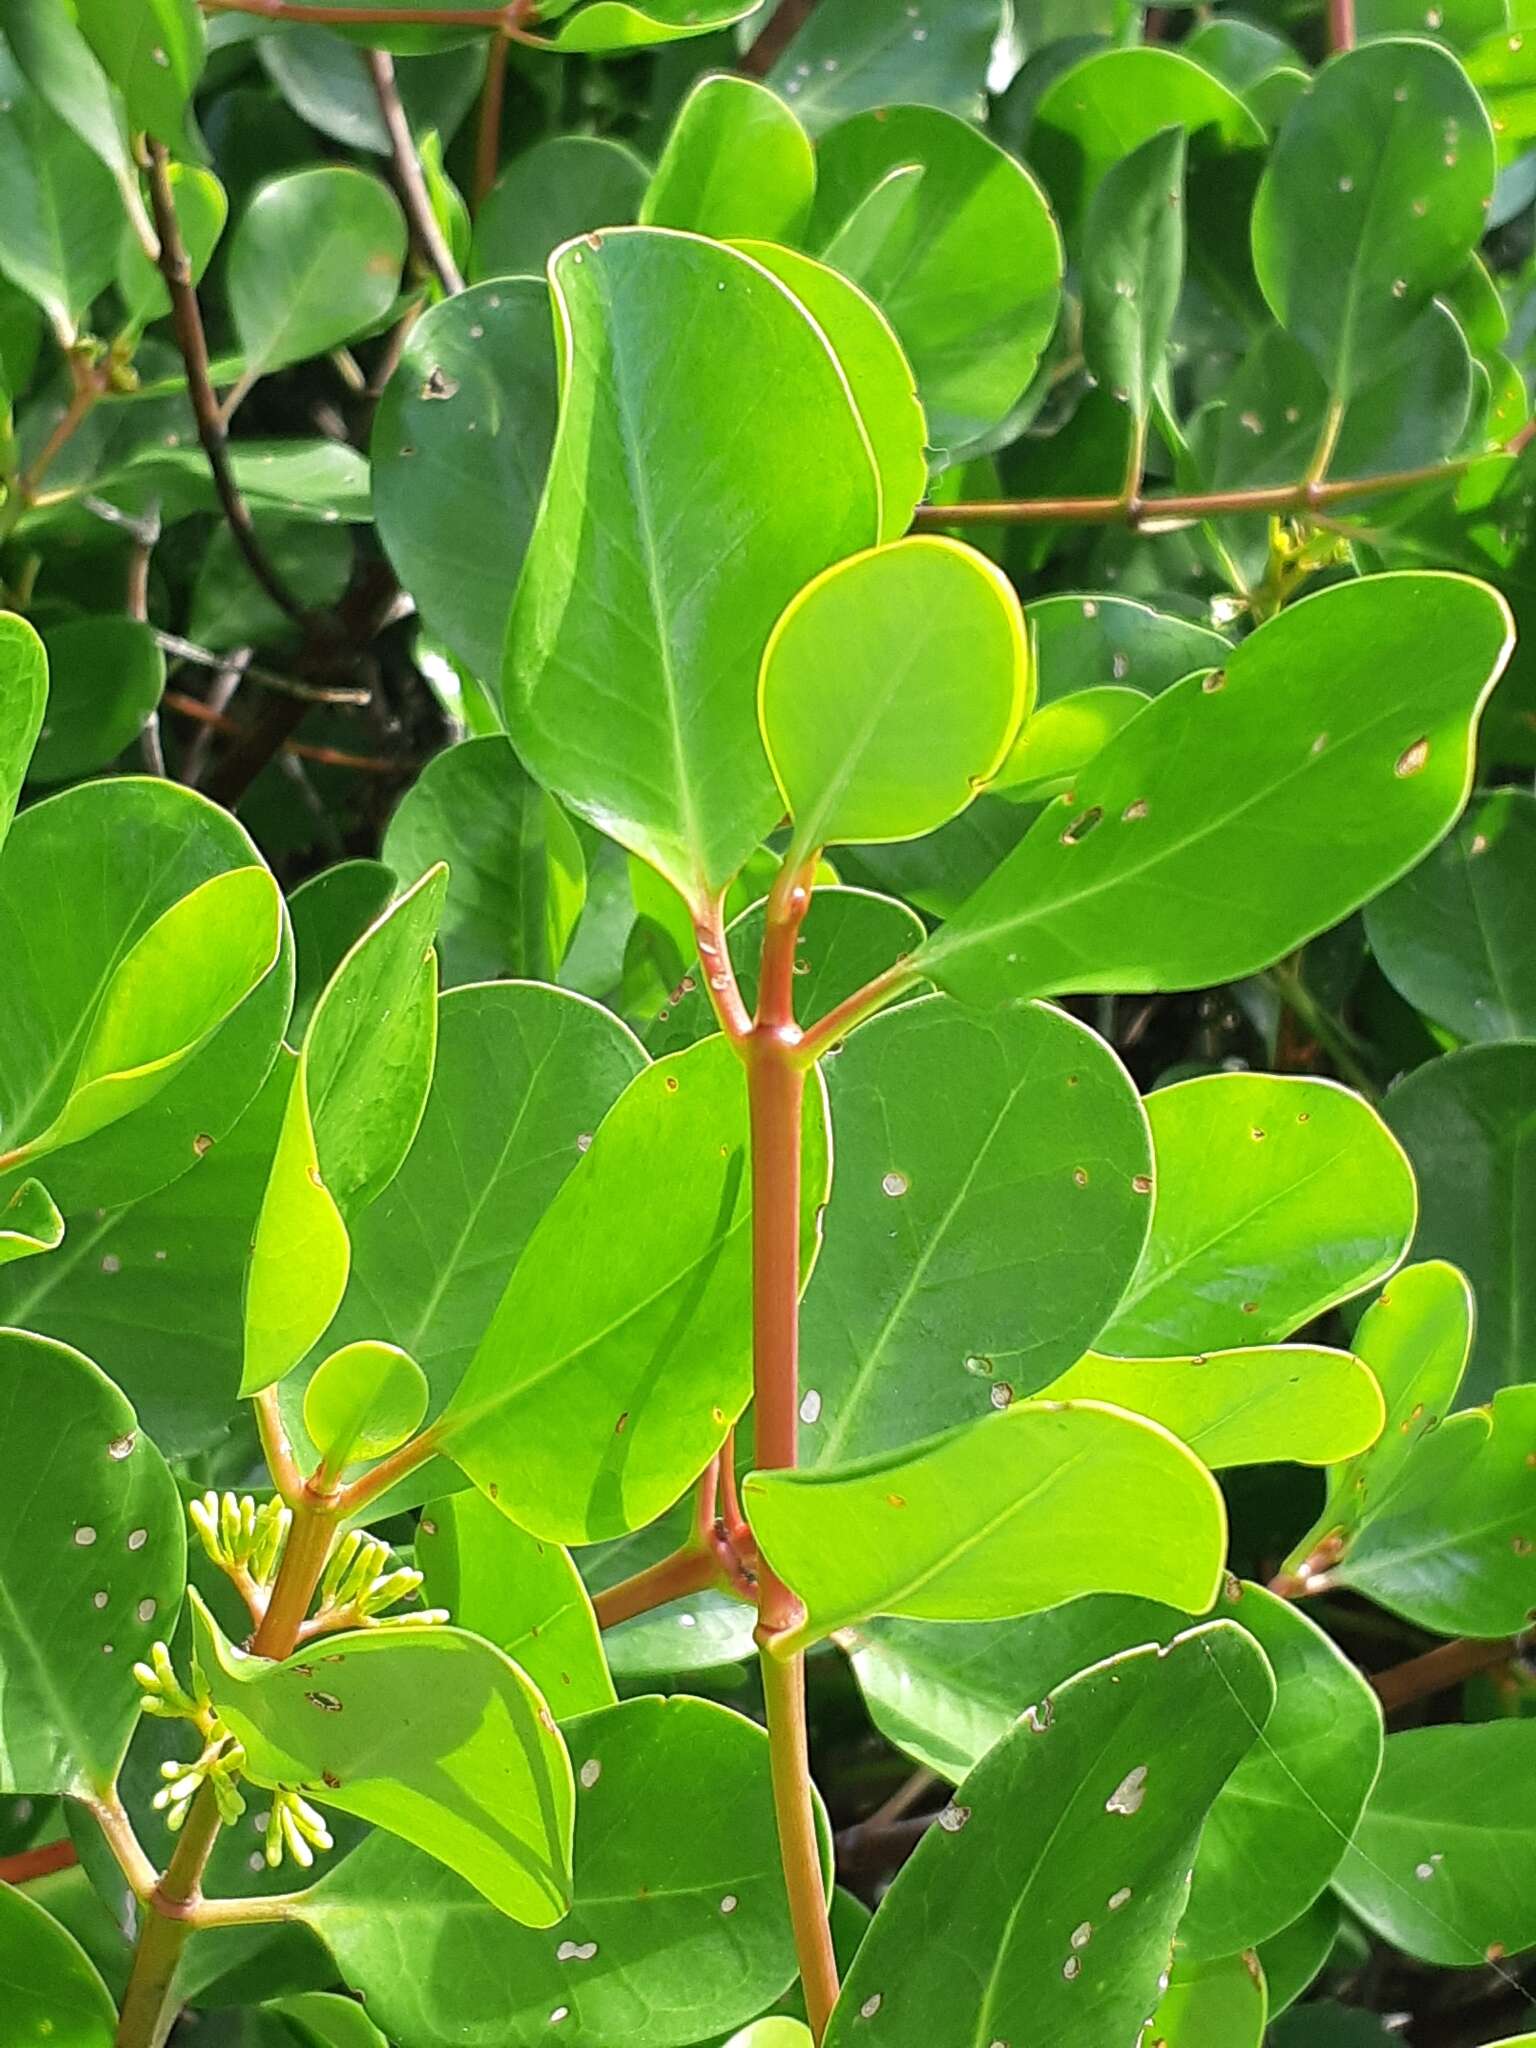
1452 936
358 1093
1273 796
201 206
1443 1863
607 26
602 1387
1296 1402
926 1308
516 875
879 375
460 448
678 1928
737 162
777 2032
315 258
152 52
92 1566
363 1401
891 689
29 1223
1040 1504
1454 1548
520 1593
1058 1873
1285 1817
1133 271
966 262
1313 1201
23 696
566 185
62 214
1223 2000
163 1001
54 1996
427 1732
1372 200
646 600
105 676
1468 1124
1058 741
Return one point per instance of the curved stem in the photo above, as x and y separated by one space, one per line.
276 1448
684 1572
719 973
856 1009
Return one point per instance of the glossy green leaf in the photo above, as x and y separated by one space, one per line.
358 1094
105 676
598 1392
92 1566
1040 1504
850 55
1372 200
29 1223
1468 1123
521 1594
202 208
363 1401
1060 1873
323 75
314 482
1286 1815
677 1924
1454 1547
325 2020
152 52
1253 1407
524 1076
737 163
1221 2000
460 449
434 1736
1084 643
926 1308
330 912
1277 793
566 185
1443 1864
1059 740
1133 271
52 1990
1313 1200
612 26
1452 936
315 258
968 268
1293 1959
58 233
879 376
23 699
516 876
891 689
45 41
683 782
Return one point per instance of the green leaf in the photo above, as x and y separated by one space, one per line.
566 185
1455 1547
23 699
677 1926
315 258
358 1094
1372 200
1133 272
1468 1124
201 207
324 77
1314 1200
330 913
433 1735
1293 1959
315 482
59 230
1451 936
598 1392
161 1002
1059 740
460 448
325 2020
1083 643
363 1401
854 54
1298 1401
1060 1873
1285 1817
968 266
611 26
53 1991
59 65
524 1076
737 162
879 376
775 2033
1221 2000
521 1594
516 876
652 408
1040 1504
1278 793
29 1223
153 53
92 1566
1443 1864
926 1308
105 678
891 690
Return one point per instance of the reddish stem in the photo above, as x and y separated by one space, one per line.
38 1862
488 135
1439 1669
1341 25
684 1572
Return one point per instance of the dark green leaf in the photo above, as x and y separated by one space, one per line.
105 678
566 185
53 1992
1133 272
853 54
